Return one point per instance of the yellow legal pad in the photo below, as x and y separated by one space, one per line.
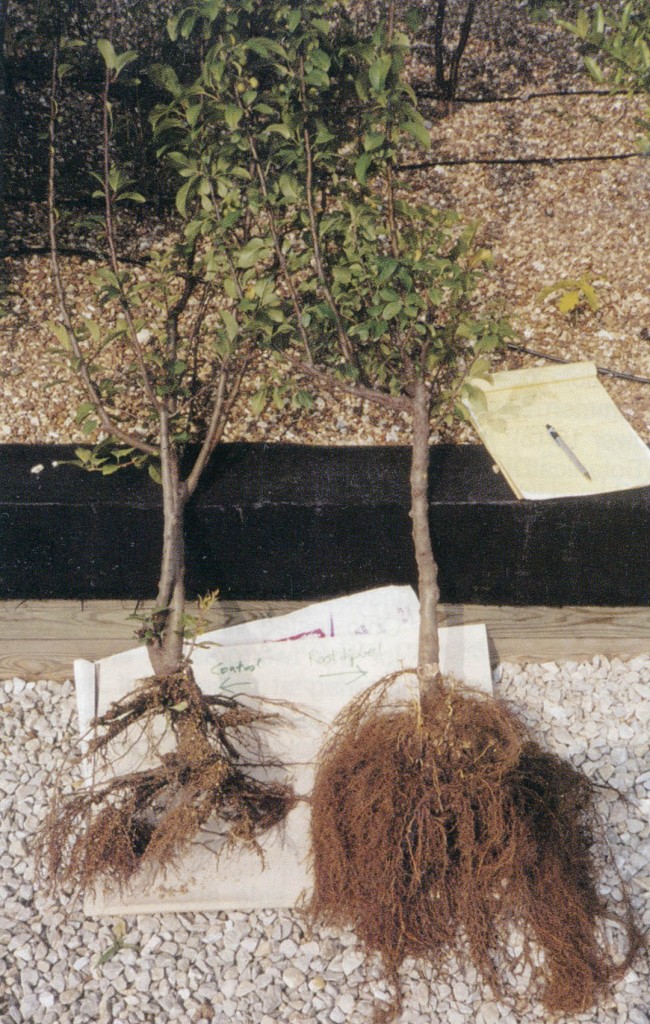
511 415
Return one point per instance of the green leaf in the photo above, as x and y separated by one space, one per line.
419 132
61 332
83 411
317 78
113 61
230 323
123 59
280 129
303 400
276 315
182 196
320 59
289 187
582 25
361 167
233 115
92 328
165 76
135 197
259 400
254 250
258 46
387 269
378 72
594 70
154 472
590 295
108 53
475 398
391 309
480 368
230 287
373 140
187 25
323 135
341 275
414 19
192 114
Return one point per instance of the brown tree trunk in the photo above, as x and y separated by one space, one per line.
166 646
448 82
428 654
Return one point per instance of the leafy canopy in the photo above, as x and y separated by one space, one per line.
287 144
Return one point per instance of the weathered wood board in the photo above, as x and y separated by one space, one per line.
41 639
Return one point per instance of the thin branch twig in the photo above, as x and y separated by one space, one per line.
261 176
112 249
365 394
220 414
106 421
347 348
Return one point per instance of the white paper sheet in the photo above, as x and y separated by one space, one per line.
321 674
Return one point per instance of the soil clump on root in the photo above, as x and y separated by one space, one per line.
441 830
203 762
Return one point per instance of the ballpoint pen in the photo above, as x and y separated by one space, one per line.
561 443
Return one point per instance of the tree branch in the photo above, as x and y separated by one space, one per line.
276 242
392 220
112 250
365 394
465 30
106 421
346 346
220 414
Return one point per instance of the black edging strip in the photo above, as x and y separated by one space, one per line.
293 522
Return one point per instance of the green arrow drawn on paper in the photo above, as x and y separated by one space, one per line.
352 676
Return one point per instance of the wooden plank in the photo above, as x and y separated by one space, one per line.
40 639
43 620
536 633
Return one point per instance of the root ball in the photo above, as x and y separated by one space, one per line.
213 769
440 829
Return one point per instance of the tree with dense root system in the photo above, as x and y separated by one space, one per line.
441 828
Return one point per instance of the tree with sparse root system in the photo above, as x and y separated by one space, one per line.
204 764
158 394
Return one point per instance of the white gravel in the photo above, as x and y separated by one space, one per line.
265 967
